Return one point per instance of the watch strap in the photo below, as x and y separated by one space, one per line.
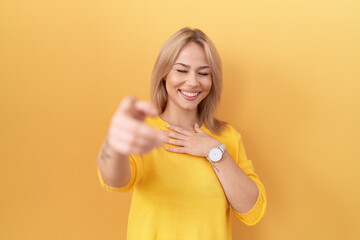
222 147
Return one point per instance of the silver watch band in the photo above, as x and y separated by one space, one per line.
222 147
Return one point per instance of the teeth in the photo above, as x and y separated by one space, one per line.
189 94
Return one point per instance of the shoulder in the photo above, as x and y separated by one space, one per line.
230 131
229 136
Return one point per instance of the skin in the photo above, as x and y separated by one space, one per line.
127 134
187 84
190 74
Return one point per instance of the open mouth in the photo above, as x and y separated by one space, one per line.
189 95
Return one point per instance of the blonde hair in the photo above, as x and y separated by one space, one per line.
164 63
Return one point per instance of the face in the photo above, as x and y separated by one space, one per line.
189 81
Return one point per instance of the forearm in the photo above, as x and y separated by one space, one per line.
239 189
114 167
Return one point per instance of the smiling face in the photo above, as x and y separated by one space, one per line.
189 81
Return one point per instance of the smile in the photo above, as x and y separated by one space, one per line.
189 95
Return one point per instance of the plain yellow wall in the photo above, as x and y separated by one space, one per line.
292 81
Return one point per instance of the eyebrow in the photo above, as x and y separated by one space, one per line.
187 66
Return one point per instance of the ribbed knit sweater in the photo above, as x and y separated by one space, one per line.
178 196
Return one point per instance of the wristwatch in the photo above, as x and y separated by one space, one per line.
216 153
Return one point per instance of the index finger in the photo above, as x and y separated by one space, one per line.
127 104
137 109
180 130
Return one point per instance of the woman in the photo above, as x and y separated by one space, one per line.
184 167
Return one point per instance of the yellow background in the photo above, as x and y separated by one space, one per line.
291 87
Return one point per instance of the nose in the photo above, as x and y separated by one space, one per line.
192 80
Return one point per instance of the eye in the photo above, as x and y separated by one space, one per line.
182 71
203 73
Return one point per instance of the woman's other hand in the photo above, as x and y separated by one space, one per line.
197 143
128 134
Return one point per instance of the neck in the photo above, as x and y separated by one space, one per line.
180 117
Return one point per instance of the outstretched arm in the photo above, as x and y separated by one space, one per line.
128 134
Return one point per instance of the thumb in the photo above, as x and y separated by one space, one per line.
197 128
161 137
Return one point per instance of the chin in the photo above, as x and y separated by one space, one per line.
189 107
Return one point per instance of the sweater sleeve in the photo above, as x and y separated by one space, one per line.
258 210
136 168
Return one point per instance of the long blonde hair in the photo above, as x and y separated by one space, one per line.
164 63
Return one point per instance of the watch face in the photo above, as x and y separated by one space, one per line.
215 154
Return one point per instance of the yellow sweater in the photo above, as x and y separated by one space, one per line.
178 196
